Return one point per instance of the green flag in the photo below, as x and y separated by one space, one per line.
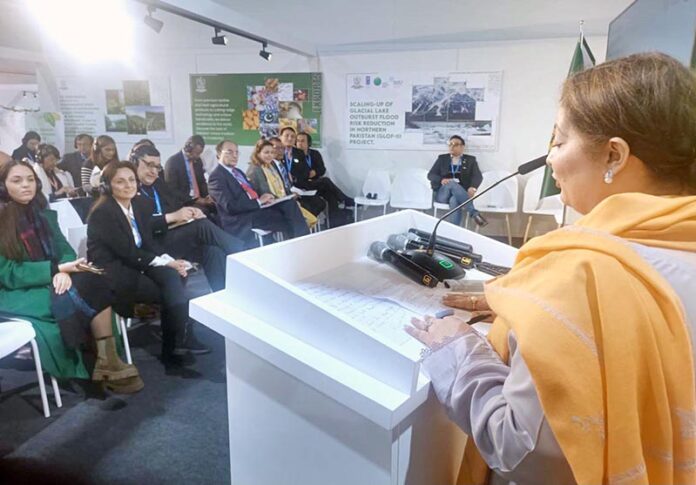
582 59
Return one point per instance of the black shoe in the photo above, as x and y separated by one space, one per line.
350 203
480 220
191 345
175 360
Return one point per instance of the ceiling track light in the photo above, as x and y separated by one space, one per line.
152 22
219 38
264 53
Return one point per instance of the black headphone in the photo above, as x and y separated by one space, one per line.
5 194
105 185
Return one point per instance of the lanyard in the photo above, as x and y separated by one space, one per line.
189 175
309 159
288 162
155 197
136 232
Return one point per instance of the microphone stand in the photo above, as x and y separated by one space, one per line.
523 169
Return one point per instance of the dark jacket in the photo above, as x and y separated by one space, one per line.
72 163
168 200
110 244
177 179
317 163
234 206
299 168
22 152
469 176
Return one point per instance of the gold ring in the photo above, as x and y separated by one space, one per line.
474 301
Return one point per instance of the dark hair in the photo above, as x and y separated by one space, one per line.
218 147
82 136
309 137
44 150
144 141
30 135
274 138
193 141
107 174
457 137
10 245
99 144
286 128
142 152
649 100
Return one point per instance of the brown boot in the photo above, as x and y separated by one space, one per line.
129 385
109 366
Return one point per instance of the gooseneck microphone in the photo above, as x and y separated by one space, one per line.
379 251
523 169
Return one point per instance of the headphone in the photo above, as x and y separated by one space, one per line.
5 194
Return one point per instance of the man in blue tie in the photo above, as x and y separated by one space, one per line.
242 209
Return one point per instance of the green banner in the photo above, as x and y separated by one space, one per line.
246 107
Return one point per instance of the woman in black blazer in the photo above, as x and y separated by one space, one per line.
119 239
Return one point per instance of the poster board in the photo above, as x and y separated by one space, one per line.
420 111
246 107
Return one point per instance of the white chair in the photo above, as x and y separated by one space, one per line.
532 205
377 182
502 199
260 233
72 227
411 190
15 334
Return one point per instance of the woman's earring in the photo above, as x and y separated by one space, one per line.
608 177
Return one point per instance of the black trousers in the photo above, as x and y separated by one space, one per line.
163 285
327 190
205 243
284 216
313 204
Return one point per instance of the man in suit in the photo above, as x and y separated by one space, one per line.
455 177
295 161
241 209
184 174
312 203
198 240
73 162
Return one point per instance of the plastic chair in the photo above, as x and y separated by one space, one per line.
411 190
502 199
15 334
377 182
260 233
532 205
72 227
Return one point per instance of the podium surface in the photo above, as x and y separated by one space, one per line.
315 393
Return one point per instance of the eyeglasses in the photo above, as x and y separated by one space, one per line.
152 166
454 144
230 152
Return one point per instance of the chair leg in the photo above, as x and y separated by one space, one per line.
384 210
126 343
39 375
355 213
260 238
526 231
56 392
466 221
507 221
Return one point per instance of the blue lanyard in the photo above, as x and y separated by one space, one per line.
453 171
155 197
136 234
309 159
288 162
189 175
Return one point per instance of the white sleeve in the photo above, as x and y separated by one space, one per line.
499 408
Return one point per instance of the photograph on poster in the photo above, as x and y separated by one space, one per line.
156 121
136 93
115 104
116 123
137 121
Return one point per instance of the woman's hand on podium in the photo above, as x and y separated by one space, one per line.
434 331
471 302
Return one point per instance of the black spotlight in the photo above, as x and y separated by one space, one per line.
152 22
264 53
218 38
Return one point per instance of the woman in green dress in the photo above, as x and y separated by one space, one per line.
42 281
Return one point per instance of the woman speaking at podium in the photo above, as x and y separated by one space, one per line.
587 374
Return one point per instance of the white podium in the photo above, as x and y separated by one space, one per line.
314 397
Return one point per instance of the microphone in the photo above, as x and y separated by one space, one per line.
401 242
379 251
445 245
523 169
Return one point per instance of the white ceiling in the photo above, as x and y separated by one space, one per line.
356 25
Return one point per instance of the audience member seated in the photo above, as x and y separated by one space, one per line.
42 281
242 209
266 178
296 163
27 150
195 238
184 174
103 151
119 239
455 178
313 203
73 162
56 184
138 144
